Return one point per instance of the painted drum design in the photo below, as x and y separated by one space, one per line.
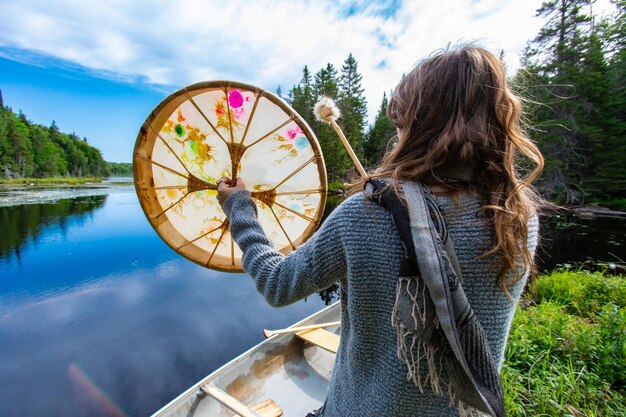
222 128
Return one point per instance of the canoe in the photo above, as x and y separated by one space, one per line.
286 374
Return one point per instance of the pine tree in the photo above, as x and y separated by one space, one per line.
353 106
563 36
554 60
326 82
592 93
302 98
7 161
575 69
610 178
18 132
348 93
379 135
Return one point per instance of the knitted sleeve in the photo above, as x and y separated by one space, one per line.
285 279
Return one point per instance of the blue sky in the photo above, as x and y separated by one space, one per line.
109 113
98 68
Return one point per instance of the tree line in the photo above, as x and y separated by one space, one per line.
574 73
31 150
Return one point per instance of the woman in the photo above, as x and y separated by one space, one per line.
459 135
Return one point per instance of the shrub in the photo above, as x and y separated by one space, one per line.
566 354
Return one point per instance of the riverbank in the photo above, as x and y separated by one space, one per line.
50 190
589 212
567 347
49 181
58 182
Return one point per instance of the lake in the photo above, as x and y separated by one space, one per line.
98 317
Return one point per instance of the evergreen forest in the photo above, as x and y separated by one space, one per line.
574 76
30 150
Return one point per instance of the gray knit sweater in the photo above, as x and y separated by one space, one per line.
359 247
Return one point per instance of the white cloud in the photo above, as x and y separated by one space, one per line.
264 42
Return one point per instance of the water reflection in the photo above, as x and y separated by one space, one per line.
101 318
130 341
21 223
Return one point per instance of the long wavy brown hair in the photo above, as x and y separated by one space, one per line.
456 110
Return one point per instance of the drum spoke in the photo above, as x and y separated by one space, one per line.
303 192
232 251
199 237
163 166
165 187
219 240
230 119
300 168
282 228
270 132
191 100
234 161
169 147
296 213
245 132
178 201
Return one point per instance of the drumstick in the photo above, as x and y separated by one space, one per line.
269 333
326 111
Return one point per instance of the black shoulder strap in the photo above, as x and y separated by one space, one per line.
382 193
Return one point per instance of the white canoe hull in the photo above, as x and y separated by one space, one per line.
283 368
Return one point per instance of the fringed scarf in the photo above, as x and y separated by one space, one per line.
435 325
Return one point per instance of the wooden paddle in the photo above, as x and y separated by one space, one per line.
228 401
269 333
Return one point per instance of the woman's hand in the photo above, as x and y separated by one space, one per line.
226 188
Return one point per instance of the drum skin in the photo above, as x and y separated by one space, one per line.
224 128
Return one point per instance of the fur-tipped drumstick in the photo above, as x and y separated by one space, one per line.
326 111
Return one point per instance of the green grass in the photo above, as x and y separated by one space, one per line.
566 354
336 187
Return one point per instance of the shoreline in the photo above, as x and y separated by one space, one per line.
21 194
21 184
585 212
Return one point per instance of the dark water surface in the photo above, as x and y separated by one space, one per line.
567 239
98 317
